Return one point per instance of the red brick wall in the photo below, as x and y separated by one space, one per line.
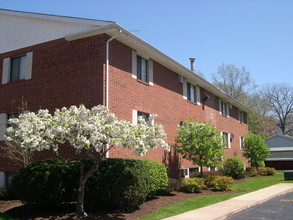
70 73
63 74
165 99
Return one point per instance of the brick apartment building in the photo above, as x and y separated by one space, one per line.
54 61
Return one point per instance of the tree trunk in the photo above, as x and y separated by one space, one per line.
82 183
201 173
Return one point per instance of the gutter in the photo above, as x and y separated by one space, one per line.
177 67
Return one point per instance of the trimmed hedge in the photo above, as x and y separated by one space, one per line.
46 183
266 171
119 184
234 167
158 179
223 183
193 185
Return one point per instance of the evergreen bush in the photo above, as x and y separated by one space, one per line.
234 167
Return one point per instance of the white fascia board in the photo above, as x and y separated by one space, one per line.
94 31
273 149
279 159
56 17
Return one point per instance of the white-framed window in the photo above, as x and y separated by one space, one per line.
213 169
226 139
189 172
191 92
17 68
241 140
142 68
5 179
146 116
240 116
224 108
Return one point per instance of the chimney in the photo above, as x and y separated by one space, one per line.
192 59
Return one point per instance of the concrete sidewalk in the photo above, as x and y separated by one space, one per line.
229 207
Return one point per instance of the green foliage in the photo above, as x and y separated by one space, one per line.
7 194
266 171
255 149
251 171
119 184
234 167
193 185
201 143
209 180
258 164
223 183
46 183
158 179
173 185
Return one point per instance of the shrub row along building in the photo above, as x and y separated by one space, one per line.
53 61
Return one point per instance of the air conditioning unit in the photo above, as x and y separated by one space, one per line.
182 79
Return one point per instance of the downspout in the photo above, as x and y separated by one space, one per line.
107 76
107 67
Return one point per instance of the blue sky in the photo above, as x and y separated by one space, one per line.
257 34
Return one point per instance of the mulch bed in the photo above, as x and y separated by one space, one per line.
16 209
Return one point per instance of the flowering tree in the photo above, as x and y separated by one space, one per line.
201 143
94 131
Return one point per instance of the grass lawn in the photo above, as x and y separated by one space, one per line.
251 184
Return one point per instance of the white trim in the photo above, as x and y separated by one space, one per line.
273 149
197 93
55 17
6 71
3 125
151 72
240 142
134 64
184 87
229 140
28 65
279 159
134 117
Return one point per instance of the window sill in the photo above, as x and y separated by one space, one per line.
143 82
194 103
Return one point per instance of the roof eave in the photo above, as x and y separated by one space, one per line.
169 62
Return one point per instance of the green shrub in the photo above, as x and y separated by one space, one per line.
234 167
119 184
266 171
46 183
223 183
158 179
173 185
258 164
209 180
7 194
251 171
193 185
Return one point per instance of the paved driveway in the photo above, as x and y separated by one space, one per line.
278 208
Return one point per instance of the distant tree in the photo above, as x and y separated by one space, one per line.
235 81
201 143
279 98
255 149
